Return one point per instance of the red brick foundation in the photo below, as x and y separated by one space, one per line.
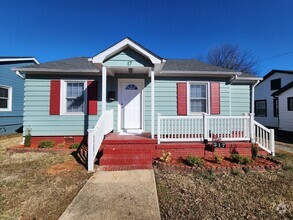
67 140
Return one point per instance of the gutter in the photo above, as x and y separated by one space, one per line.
56 70
200 72
19 59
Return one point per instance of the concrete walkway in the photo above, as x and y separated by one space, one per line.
116 195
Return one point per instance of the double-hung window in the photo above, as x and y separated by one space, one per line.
198 98
73 97
261 108
5 98
290 103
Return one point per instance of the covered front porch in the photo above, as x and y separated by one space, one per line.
181 135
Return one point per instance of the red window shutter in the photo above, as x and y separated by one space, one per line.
215 98
181 98
92 96
55 97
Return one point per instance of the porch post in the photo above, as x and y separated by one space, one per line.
272 141
104 88
251 128
153 103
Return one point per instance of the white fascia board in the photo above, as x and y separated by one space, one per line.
19 59
249 78
31 70
120 46
239 79
198 73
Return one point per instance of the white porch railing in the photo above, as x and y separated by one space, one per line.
209 127
264 137
96 136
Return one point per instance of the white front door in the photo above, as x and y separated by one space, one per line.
131 104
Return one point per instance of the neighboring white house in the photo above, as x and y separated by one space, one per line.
285 97
272 110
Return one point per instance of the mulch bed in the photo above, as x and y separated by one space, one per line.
261 164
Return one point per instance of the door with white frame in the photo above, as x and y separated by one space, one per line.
130 102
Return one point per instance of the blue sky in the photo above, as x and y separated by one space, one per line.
57 29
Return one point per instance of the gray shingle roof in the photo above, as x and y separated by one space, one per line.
191 65
76 63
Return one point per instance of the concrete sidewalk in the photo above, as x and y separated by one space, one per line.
116 195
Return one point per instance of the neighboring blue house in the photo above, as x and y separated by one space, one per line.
12 94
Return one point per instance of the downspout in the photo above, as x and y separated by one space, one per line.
252 96
18 74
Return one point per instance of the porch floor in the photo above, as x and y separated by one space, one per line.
124 138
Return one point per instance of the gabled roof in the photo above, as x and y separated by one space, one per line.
283 89
275 71
126 42
76 64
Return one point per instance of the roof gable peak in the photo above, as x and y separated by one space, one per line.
121 45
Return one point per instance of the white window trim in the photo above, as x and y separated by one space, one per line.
9 104
188 97
63 104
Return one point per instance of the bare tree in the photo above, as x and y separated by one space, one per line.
232 57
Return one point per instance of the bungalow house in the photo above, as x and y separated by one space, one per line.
273 105
130 90
11 94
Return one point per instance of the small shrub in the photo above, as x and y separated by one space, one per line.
194 161
46 144
245 160
166 157
254 151
61 145
239 159
27 138
74 146
219 158
246 169
233 149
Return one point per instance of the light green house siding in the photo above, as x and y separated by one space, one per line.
128 57
36 112
234 99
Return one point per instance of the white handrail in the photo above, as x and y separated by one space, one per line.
264 137
209 127
96 136
201 127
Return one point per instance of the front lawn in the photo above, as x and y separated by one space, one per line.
37 185
267 195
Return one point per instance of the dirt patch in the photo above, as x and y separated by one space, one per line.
62 167
252 195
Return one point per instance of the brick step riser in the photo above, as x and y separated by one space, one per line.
125 162
110 152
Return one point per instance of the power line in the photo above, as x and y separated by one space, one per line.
280 55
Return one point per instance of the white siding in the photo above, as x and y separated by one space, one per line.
263 91
286 117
